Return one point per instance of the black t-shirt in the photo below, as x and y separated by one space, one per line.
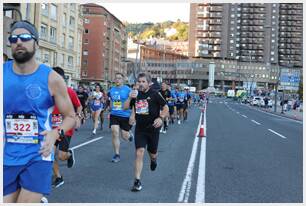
166 94
147 107
83 96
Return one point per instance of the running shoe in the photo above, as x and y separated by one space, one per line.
71 160
153 164
137 186
59 181
44 200
131 138
116 158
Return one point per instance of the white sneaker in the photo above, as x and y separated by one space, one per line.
179 121
44 200
94 131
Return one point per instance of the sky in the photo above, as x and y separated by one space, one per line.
149 12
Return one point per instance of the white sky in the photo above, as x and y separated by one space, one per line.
149 12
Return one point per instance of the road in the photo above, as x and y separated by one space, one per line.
248 156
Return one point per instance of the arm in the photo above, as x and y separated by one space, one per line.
58 90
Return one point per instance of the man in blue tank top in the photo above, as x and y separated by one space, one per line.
119 118
30 92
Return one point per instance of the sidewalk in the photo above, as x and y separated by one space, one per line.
293 114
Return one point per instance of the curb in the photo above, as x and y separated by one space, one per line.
283 115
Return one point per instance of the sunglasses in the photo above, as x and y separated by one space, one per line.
23 37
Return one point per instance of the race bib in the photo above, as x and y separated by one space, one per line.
57 120
21 128
117 105
142 107
97 103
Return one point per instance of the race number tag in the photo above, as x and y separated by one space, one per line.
57 120
21 128
97 103
117 105
142 107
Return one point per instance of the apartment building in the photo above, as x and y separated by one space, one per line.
104 45
60 28
247 32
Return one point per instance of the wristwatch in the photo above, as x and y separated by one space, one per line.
61 133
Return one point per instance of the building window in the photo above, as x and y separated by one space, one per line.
64 19
85 52
53 11
72 6
53 34
86 31
71 21
86 41
44 31
70 43
85 62
44 9
70 61
87 21
46 58
62 59
63 39
84 73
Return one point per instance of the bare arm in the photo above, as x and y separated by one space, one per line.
126 104
58 89
165 111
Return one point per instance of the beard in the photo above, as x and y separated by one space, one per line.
23 57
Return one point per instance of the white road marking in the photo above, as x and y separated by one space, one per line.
184 193
297 121
220 102
277 133
200 192
244 116
256 122
85 143
238 112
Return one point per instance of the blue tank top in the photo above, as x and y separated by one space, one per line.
118 95
181 96
27 108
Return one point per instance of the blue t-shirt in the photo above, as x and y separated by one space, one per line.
173 96
27 108
181 97
118 95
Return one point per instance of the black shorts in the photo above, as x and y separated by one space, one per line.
171 109
63 144
123 122
180 106
149 139
185 106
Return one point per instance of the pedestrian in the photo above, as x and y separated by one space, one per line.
61 146
150 110
30 90
119 118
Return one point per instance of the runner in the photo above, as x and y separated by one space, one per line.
64 153
96 106
149 118
30 91
180 104
171 105
167 96
119 118
83 97
187 103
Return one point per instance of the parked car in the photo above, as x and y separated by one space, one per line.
256 101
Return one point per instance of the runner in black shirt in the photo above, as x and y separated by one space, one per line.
150 108
83 96
166 95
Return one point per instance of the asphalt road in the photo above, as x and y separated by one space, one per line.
246 161
240 160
